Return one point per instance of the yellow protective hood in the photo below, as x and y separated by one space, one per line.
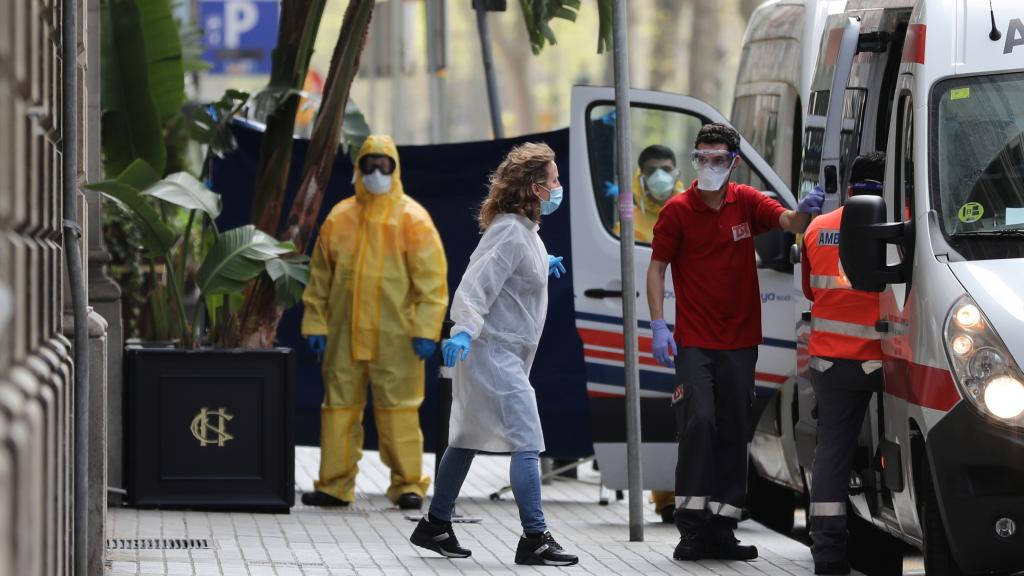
379 144
644 203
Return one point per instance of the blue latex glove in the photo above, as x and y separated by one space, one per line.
423 347
811 204
664 345
456 348
611 189
317 343
555 267
609 118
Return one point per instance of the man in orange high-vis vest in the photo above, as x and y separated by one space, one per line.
846 362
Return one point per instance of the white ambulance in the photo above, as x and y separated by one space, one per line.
939 86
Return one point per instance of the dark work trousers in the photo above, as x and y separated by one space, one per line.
843 392
711 421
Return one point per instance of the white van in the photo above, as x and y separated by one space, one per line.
939 86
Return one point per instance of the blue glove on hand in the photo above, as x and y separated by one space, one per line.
423 347
664 345
555 267
609 118
317 343
811 204
611 189
456 348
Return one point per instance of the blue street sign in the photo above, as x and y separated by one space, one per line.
239 35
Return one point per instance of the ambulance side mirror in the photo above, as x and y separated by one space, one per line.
863 236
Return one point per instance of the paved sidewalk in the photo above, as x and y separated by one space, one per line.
371 537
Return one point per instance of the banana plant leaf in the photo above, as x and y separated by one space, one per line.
131 127
538 14
184 190
157 236
240 255
164 56
211 125
290 276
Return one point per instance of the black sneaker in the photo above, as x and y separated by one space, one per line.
323 500
439 538
729 548
690 547
668 514
410 501
834 568
543 551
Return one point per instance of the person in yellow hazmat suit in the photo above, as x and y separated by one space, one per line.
654 182
375 301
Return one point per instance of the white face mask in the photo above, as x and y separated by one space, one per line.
377 183
710 179
660 184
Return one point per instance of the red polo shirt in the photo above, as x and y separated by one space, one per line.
718 300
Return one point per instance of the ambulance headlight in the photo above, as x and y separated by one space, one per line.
982 366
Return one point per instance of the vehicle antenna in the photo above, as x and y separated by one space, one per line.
994 35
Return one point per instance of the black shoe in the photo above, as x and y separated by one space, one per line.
836 567
690 547
410 501
729 548
668 514
543 551
321 499
439 538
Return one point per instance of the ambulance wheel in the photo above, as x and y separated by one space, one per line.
871 550
770 504
938 557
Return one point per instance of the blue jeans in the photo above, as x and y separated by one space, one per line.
525 475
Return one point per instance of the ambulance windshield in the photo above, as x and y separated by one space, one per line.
977 156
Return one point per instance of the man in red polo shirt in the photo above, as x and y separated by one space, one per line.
707 235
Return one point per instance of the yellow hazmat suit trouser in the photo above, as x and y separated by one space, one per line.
662 498
397 394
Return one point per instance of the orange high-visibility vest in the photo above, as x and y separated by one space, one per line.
842 319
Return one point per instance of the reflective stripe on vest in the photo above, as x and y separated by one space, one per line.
844 328
842 319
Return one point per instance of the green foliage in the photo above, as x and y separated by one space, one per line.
211 125
290 276
538 15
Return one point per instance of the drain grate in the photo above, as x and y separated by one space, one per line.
158 544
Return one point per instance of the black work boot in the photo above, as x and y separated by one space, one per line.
722 542
323 500
410 501
832 568
691 546
543 551
438 538
668 514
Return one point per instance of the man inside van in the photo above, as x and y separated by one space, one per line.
656 181
707 235
846 362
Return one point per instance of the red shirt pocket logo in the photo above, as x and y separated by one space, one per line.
740 232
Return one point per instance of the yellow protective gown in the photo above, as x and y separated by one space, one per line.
645 214
378 279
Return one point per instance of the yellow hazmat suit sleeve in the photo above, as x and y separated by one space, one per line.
647 210
428 273
314 321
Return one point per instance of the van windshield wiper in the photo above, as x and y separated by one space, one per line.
1013 233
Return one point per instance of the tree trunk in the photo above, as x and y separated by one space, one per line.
705 54
663 59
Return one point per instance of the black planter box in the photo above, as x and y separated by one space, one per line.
210 429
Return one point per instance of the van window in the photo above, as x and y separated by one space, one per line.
667 136
757 118
814 136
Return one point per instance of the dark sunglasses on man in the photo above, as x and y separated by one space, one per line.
371 162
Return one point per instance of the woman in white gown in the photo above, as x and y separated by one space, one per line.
499 311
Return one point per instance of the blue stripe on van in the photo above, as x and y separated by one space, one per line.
773 342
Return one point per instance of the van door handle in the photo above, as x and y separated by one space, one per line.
602 293
805 315
882 326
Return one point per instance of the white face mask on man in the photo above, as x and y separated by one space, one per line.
377 182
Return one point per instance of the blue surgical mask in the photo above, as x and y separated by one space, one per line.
549 206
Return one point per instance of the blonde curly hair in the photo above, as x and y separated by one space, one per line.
511 185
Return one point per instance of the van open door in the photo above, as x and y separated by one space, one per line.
656 119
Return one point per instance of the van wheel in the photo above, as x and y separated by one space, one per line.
938 558
872 551
771 504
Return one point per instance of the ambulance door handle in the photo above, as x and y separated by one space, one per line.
805 315
602 293
882 326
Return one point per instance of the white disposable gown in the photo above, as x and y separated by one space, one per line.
502 303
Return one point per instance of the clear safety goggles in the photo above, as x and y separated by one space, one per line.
714 159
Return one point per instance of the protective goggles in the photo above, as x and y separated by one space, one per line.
867 186
371 162
714 159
